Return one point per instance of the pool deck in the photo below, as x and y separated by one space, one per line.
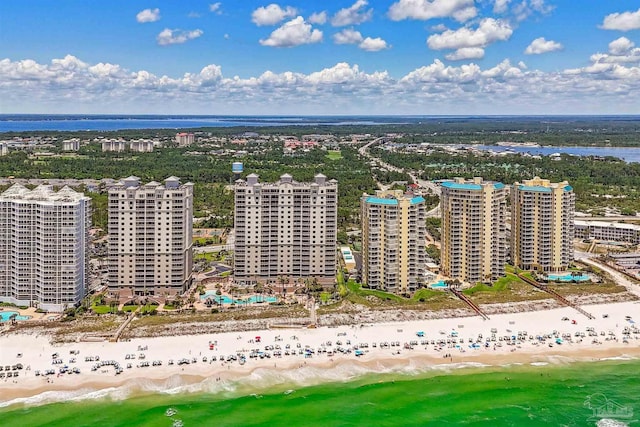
31 311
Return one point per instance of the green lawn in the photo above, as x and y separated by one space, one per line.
342 288
324 296
357 289
129 308
207 256
426 294
334 155
148 308
101 309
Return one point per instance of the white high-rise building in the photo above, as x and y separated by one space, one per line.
44 242
150 237
4 148
285 229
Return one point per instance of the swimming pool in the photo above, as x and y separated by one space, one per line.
224 299
568 278
440 284
5 316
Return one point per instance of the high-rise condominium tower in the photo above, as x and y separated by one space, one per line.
150 237
542 225
285 229
474 245
44 242
393 241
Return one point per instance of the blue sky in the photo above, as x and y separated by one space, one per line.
320 57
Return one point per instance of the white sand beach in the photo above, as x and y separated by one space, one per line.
310 356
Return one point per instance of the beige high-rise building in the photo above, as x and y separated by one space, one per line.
285 229
44 247
542 225
184 138
474 245
393 241
115 145
141 145
71 144
150 237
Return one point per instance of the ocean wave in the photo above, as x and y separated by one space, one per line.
623 357
269 379
607 422
54 396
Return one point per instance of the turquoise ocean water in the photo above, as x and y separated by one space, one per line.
551 395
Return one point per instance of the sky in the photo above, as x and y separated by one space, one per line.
314 57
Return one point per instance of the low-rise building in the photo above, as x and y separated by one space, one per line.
607 231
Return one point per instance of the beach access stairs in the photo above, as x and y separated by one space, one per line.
556 295
470 303
120 330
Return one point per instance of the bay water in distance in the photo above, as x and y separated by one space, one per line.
603 393
104 123
73 122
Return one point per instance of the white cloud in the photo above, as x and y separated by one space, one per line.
69 84
620 46
216 8
624 21
489 31
526 8
318 18
621 50
501 6
272 14
541 45
353 15
293 33
460 10
169 36
466 53
347 36
148 15
351 36
373 44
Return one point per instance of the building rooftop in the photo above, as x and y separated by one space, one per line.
42 192
391 201
608 224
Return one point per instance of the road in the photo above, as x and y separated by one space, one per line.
589 259
435 189
213 248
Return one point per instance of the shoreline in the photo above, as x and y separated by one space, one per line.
269 373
